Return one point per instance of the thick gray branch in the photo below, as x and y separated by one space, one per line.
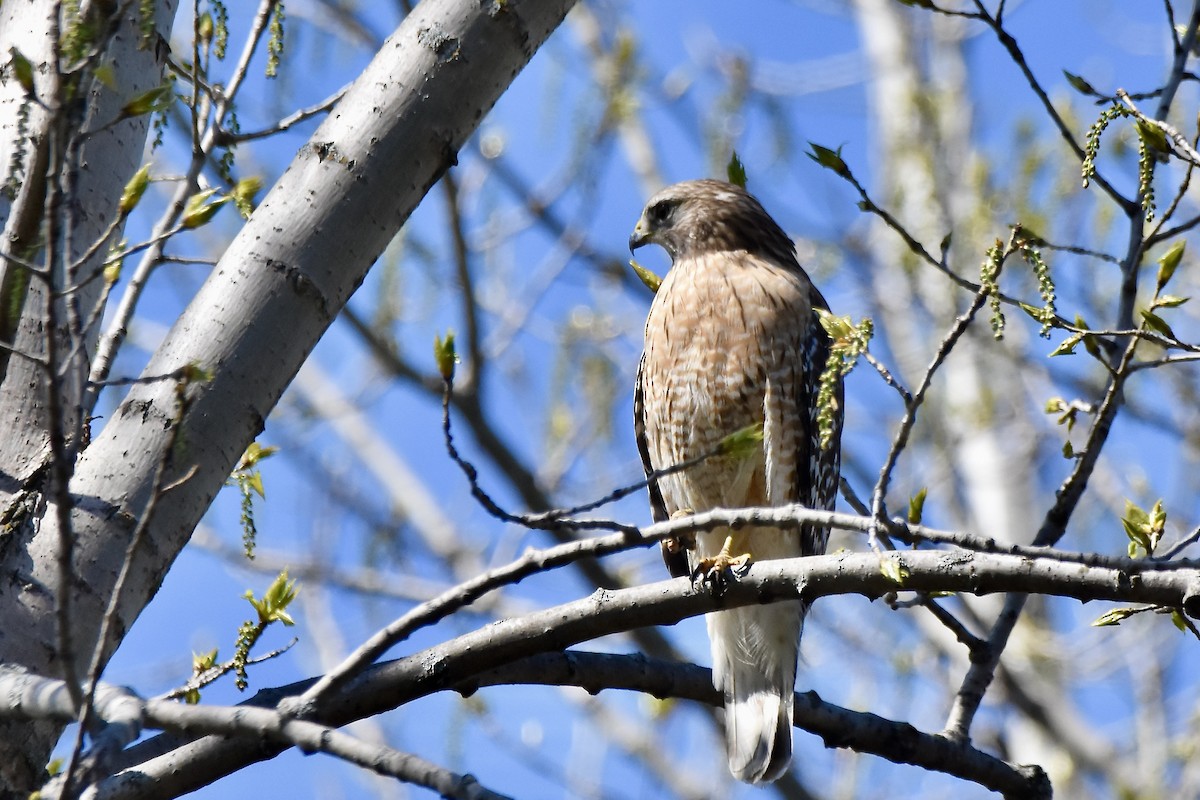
462 660
123 715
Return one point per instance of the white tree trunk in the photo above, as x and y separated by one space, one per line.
278 287
107 160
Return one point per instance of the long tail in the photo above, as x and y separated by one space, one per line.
754 651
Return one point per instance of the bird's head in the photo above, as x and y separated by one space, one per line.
702 216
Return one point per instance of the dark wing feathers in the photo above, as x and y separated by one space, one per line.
674 557
817 471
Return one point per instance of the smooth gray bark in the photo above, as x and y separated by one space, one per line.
277 288
106 160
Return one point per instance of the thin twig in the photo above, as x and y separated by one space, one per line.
521 477
1179 546
109 620
1171 233
536 561
62 459
887 376
1166 360
1183 148
1073 249
852 497
964 636
1183 51
563 518
1018 58
247 723
982 671
217 671
168 224
900 439
462 270
1180 193
1154 337
871 207
225 137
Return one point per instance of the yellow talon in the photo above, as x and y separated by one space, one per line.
713 568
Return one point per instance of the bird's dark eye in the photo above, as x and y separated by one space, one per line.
660 212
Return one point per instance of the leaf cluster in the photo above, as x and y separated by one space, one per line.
848 341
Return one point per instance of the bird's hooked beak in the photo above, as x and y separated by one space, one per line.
640 236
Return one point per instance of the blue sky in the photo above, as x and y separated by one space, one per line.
200 605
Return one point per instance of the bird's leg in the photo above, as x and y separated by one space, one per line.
675 546
712 570
678 545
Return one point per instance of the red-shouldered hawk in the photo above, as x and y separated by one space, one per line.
733 339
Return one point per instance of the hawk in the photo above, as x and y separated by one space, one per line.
732 340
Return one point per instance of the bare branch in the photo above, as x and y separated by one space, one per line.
900 439
125 714
1018 57
1183 148
465 658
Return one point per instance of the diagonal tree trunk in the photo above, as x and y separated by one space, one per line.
278 287
41 141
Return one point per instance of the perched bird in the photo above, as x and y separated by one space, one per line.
732 340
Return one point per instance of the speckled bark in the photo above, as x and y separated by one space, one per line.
275 291
106 162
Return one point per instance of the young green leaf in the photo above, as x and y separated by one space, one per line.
829 159
115 261
151 101
736 171
916 506
243 194
134 190
444 355
1031 310
1167 263
1114 617
1156 323
743 443
273 605
203 662
647 277
1089 341
1170 301
201 208
1079 84
1154 138
254 454
1067 348
106 76
839 328
205 28
195 373
22 69
1145 529
894 569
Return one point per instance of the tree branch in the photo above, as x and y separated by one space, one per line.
125 714
460 662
